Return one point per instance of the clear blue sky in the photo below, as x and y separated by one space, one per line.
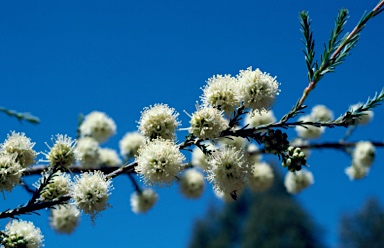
62 58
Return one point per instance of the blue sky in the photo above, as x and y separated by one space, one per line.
63 58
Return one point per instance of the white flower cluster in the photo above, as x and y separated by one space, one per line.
297 181
207 123
255 89
109 157
199 159
362 159
192 184
143 201
65 218
88 151
159 162
221 92
227 170
58 186
261 118
19 144
98 126
22 234
159 121
130 144
90 192
308 131
10 172
63 153
261 177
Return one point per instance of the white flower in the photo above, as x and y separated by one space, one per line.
321 113
59 185
159 121
227 169
221 92
143 201
261 177
89 152
207 123
64 218
130 144
254 154
297 181
19 144
261 118
10 172
356 171
22 234
192 183
238 142
63 152
109 157
199 159
258 90
98 125
365 118
159 162
91 191
363 154
308 132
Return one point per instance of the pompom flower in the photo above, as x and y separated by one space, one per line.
257 90
109 157
64 218
98 125
227 169
130 144
221 92
58 186
143 201
238 142
308 131
159 162
356 171
19 144
88 151
63 152
159 121
321 113
261 118
10 172
363 154
261 177
192 184
22 234
207 123
91 191
297 181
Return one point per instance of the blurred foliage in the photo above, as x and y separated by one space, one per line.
269 219
364 228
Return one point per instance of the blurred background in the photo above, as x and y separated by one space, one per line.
60 59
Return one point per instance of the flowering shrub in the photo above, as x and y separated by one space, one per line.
77 173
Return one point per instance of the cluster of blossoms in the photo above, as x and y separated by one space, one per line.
142 201
90 192
22 234
16 154
362 159
159 162
65 218
98 126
